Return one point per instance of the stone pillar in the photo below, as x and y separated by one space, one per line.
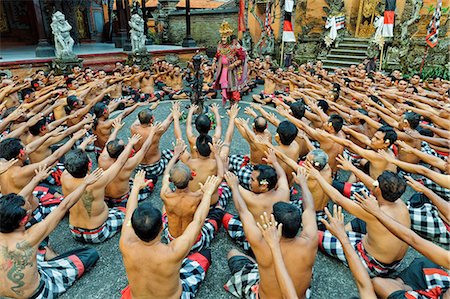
43 49
122 34
162 19
188 41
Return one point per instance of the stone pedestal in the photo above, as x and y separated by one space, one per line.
64 66
44 49
143 59
188 42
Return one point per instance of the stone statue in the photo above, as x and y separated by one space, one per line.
247 41
63 41
137 34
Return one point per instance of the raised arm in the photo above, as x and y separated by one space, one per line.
429 159
232 114
271 158
218 130
189 134
179 149
345 164
309 222
176 114
433 252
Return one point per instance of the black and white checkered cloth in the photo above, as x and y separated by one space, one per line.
426 148
191 275
331 246
426 221
159 167
39 214
225 194
236 232
112 225
438 189
353 158
242 167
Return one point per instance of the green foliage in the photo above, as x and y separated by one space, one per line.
441 71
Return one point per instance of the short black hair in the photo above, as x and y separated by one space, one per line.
202 144
267 173
287 132
115 148
72 100
203 124
323 104
10 148
335 94
145 116
69 81
298 109
392 186
389 134
34 84
336 121
424 131
260 124
290 216
412 118
11 212
26 91
36 128
362 111
76 163
98 110
146 221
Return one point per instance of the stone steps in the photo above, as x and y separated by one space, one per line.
353 52
350 50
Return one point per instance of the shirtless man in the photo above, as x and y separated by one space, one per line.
270 85
258 280
175 85
380 251
268 185
148 85
90 220
118 191
156 270
180 205
24 273
155 161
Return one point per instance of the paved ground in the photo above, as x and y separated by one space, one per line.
331 279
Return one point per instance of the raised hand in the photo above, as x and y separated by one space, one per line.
310 170
415 184
215 108
79 134
385 155
405 147
335 223
135 139
210 185
270 158
5 164
301 176
42 172
233 111
34 119
139 180
179 148
94 176
344 163
249 111
176 112
216 146
270 230
193 108
231 179
271 117
56 131
367 202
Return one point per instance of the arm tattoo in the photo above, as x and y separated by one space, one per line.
15 261
88 199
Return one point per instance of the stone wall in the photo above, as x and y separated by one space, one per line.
205 25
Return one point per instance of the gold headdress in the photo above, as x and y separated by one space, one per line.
225 29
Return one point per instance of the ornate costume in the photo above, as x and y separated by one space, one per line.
231 70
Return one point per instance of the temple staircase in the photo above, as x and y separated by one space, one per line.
351 50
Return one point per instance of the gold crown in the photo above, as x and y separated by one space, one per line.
225 29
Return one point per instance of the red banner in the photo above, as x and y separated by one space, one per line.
241 18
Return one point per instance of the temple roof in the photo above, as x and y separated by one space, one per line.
195 4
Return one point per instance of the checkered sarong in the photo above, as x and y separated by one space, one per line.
426 148
351 189
225 194
191 275
236 232
331 246
55 176
59 274
426 221
438 189
46 195
353 158
112 225
159 167
204 239
122 201
39 214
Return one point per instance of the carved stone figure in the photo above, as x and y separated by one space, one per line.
247 41
137 35
63 41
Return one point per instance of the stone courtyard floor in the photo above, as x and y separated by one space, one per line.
331 279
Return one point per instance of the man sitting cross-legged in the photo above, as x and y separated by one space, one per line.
117 192
90 219
181 204
156 270
23 271
380 251
258 279
268 185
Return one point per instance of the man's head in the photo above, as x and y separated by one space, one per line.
203 124
40 128
37 84
260 124
180 175
76 69
202 144
77 163
334 123
115 148
383 138
415 80
288 215
72 84
318 158
28 95
323 105
410 120
287 132
14 212
263 178
298 109
390 186
146 221
402 85
100 110
12 148
396 74
146 117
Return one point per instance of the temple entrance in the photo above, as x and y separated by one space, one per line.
366 18
17 22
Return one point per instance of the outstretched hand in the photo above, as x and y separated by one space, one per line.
231 179
415 184
94 176
310 170
335 223
368 202
42 172
210 185
344 163
179 148
271 157
233 111
301 176
139 180
270 230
